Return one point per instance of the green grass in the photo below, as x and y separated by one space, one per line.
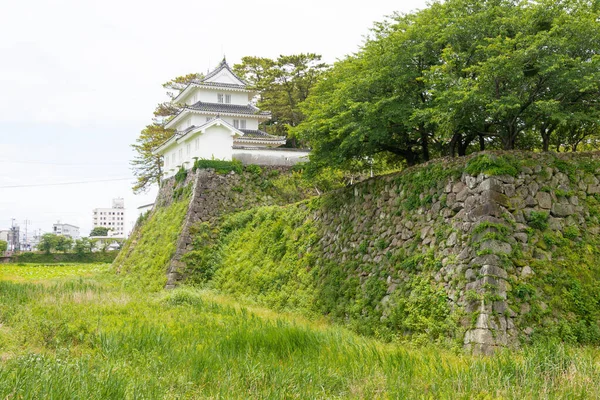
40 272
87 336
145 256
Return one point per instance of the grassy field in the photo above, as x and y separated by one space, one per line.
73 332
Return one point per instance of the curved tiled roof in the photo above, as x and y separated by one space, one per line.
220 85
227 108
257 134
222 65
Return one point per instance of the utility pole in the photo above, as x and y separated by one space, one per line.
26 222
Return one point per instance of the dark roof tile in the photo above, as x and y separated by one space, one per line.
253 133
227 108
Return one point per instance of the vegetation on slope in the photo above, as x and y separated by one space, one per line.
144 257
88 337
272 255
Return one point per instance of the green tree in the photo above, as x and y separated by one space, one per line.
47 242
63 243
147 166
99 231
283 84
3 246
459 76
82 246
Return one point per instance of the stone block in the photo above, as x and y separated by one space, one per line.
521 237
556 224
562 210
496 247
544 200
470 274
463 194
481 336
526 271
494 196
593 189
489 184
458 187
487 259
486 209
492 270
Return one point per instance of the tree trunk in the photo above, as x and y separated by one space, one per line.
452 145
481 143
424 145
545 141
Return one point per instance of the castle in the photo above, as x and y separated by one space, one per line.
219 121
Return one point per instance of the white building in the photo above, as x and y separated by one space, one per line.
218 120
112 218
69 230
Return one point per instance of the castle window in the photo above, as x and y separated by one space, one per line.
220 97
243 124
236 123
188 149
227 98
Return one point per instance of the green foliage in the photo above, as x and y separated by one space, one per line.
485 225
460 76
571 232
144 257
181 175
283 85
69 334
63 243
47 242
204 259
422 309
492 165
86 257
3 245
253 169
146 165
418 181
99 231
265 254
220 166
538 220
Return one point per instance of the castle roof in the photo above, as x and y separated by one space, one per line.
222 66
227 108
241 136
214 80
247 110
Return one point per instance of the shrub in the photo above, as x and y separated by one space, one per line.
492 165
538 220
220 166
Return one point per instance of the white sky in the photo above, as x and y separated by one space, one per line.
79 79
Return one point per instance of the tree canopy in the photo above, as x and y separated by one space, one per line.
459 76
147 166
282 85
99 231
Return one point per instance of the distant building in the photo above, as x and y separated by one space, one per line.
112 218
69 230
4 235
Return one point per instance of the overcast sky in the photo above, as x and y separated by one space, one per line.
79 79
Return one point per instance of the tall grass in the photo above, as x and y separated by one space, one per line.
87 337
